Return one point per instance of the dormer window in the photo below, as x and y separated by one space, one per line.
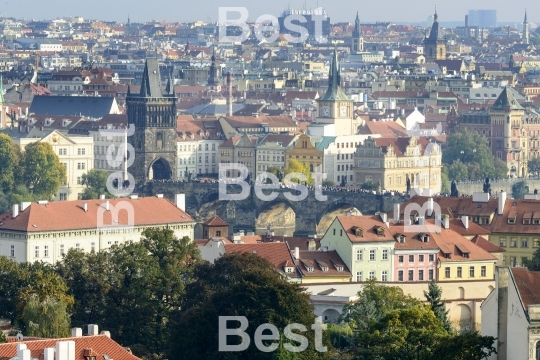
289 269
512 220
447 255
424 238
339 268
358 231
400 238
309 269
380 231
324 268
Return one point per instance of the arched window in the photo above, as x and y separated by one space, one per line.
538 350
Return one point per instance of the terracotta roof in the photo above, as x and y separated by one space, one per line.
252 122
455 207
277 253
368 224
413 240
98 344
486 245
70 215
400 144
473 229
518 209
456 245
387 129
318 260
216 221
528 283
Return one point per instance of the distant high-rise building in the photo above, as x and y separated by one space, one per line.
483 18
311 25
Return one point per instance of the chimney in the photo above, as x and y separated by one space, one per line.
383 217
22 352
76 332
15 211
102 197
465 221
48 354
297 253
180 201
107 206
229 94
421 220
92 329
62 350
106 333
430 206
85 207
502 201
446 221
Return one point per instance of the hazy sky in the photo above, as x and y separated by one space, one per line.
182 10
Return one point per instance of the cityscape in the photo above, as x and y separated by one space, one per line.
279 186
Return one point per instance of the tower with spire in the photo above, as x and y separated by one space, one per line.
213 76
357 41
434 45
153 114
334 107
525 37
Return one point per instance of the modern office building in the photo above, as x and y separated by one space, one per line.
483 18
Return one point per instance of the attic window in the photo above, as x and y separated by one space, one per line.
289 269
424 237
536 221
480 206
339 268
324 268
512 220
309 268
359 232
526 221
380 231
447 255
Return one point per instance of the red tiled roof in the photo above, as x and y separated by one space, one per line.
98 344
317 260
70 215
528 283
277 253
517 209
486 245
368 224
216 221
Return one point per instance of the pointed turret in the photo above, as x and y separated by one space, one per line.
334 91
151 80
357 28
506 101
434 33
525 37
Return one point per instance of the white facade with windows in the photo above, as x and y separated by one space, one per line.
76 153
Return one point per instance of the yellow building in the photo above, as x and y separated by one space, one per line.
304 151
392 162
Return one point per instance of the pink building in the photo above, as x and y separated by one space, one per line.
415 256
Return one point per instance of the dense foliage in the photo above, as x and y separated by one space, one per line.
520 189
467 156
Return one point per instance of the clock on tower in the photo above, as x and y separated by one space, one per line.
343 111
326 111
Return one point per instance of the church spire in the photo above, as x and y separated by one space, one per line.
357 28
435 16
525 20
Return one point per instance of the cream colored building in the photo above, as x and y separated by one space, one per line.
44 231
392 161
76 153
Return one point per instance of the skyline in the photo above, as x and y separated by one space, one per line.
414 11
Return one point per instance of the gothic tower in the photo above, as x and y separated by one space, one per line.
434 46
153 113
334 106
357 41
213 78
525 35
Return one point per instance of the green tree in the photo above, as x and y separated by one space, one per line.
466 346
296 166
8 161
328 183
95 181
458 171
534 263
471 148
520 189
3 338
240 285
13 277
433 297
47 317
534 165
42 172
445 181
370 185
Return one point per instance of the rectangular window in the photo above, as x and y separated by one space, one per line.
447 272
524 243
400 258
81 151
385 254
358 276
431 257
459 272
420 275
430 275
371 275
411 275
483 271
502 242
12 251
384 275
62 253
411 258
63 196
77 246
400 275
371 255
46 251
471 271
421 258
36 251
358 255
513 242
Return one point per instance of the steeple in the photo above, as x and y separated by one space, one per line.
357 28
434 33
151 80
525 37
525 20
170 85
334 91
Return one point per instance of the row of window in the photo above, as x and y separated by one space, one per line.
267 158
459 272
372 275
372 255
514 242
421 257
410 275
80 151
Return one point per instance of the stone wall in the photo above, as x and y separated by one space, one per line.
470 187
